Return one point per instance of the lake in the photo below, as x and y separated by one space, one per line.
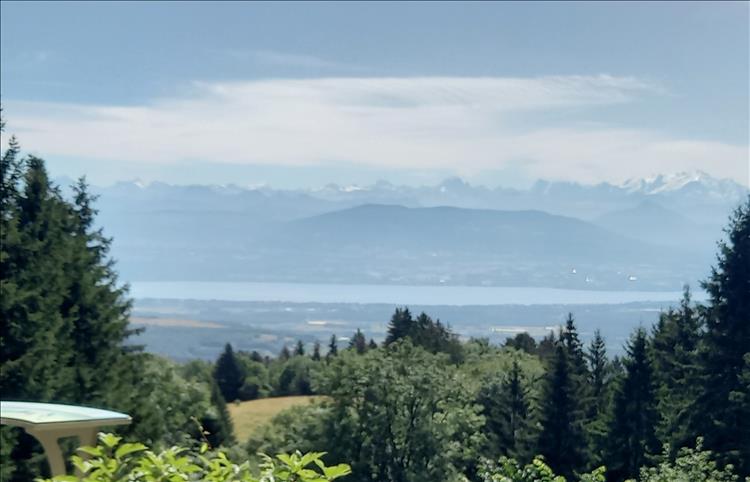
391 294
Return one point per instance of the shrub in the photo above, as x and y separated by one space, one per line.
690 465
508 470
113 461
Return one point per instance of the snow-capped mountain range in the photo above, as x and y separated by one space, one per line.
695 195
662 183
674 182
697 192
385 232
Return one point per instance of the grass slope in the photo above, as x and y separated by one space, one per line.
248 416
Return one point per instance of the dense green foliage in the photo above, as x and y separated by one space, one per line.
431 335
674 345
722 409
401 415
509 470
632 438
562 439
113 461
689 465
64 333
229 374
506 402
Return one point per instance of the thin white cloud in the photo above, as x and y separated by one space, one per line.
284 59
295 60
466 125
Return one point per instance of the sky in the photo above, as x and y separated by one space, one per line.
303 94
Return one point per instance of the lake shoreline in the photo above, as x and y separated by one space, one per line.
391 294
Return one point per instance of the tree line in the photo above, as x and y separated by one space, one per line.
243 376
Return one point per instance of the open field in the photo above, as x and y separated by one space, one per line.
248 416
158 321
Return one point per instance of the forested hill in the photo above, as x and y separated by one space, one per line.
463 232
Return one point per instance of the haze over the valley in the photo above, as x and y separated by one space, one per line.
633 236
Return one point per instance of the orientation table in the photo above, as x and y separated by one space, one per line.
49 422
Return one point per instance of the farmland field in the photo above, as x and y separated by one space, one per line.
248 416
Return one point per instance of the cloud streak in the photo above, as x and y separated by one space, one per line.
284 59
467 125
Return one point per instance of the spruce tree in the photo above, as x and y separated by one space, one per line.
299 350
674 351
580 377
372 345
599 388
284 354
506 405
316 351
333 347
400 326
217 424
358 342
562 441
65 319
598 372
36 348
11 173
97 306
572 343
722 411
229 374
632 441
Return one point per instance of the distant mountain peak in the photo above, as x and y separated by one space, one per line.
455 185
137 182
672 182
384 185
333 188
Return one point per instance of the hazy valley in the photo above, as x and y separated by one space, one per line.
634 236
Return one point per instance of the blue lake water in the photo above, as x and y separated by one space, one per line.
391 294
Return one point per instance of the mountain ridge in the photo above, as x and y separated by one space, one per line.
454 231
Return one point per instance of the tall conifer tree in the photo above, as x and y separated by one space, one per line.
62 338
632 438
506 407
229 374
316 351
674 350
299 350
217 423
358 342
722 411
562 441
599 378
401 325
97 306
333 347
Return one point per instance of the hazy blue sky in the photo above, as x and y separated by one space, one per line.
301 94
